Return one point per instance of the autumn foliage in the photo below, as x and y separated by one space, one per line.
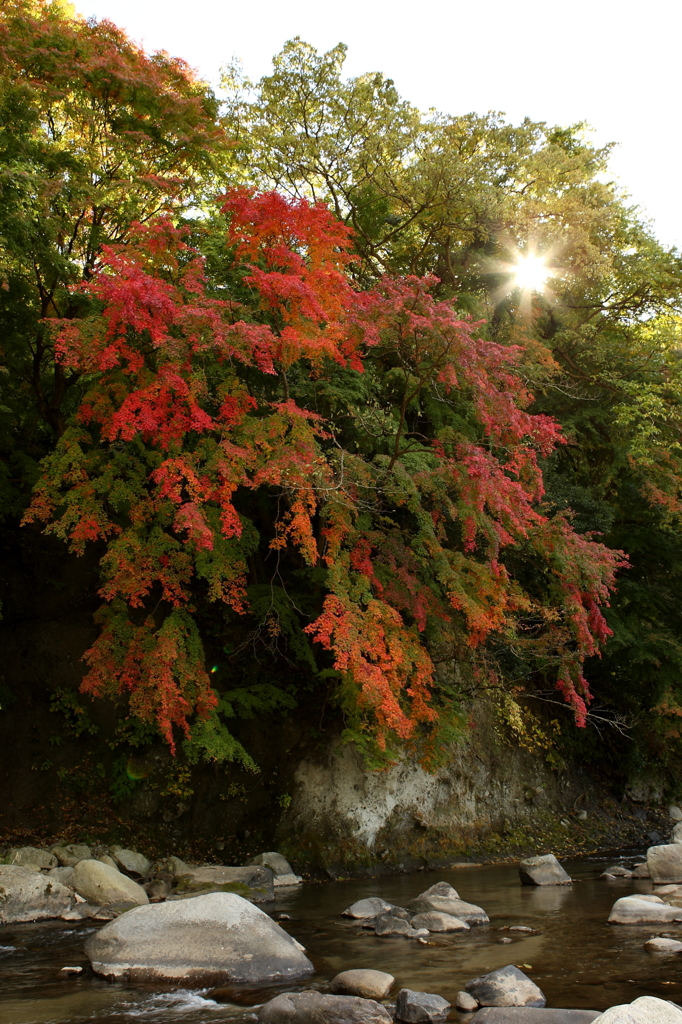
194 401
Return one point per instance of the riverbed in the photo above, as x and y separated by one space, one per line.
577 959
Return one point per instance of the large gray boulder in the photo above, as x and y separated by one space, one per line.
435 921
507 986
640 910
31 857
369 907
210 939
418 1007
100 884
665 863
533 1015
645 1010
27 895
362 982
544 870
130 861
70 854
253 882
320 1008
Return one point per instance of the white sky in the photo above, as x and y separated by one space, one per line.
613 63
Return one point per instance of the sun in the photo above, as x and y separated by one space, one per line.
530 273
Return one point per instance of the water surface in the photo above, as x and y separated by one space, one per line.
577 959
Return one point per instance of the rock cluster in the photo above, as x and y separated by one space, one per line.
438 909
74 881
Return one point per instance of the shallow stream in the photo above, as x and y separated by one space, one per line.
577 959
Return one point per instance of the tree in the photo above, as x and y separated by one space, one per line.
398 509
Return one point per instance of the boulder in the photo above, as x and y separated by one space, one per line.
660 945
208 939
363 982
387 924
466 1003
109 861
415 1007
320 1008
544 870
131 862
443 899
278 864
27 895
507 986
640 870
60 874
533 1015
369 907
665 863
31 857
252 882
638 910
645 1010
69 855
172 866
677 833
434 921
100 884
441 889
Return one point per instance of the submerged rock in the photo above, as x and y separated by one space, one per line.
640 910
544 870
665 863
27 895
206 939
100 884
320 1008
533 1015
507 986
645 1010
435 921
416 1007
363 982
254 882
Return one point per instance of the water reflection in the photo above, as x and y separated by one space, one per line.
577 958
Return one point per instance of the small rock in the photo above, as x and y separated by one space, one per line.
290 879
369 907
321 1008
465 1002
69 855
363 982
544 870
665 863
100 884
131 862
109 861
667 890
157 889
619 871
415 1007
434 921
278 864
443 890
417 933
533 1015
172 866
507 986
677 833
660 945
71 970
387 924
253 882
522 928
607 876
504 941
581 816
675 813
654 837
31 857
638 910
645 1010
641 870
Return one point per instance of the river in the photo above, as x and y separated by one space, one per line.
577 959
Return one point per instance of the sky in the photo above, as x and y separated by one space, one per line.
614 65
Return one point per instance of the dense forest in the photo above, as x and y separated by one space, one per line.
353 407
